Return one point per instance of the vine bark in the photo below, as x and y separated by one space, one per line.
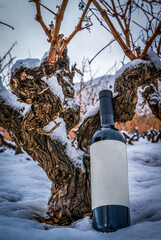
70 192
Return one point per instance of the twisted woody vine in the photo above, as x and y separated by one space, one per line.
46 89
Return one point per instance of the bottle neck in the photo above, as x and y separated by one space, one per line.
106 111
106 121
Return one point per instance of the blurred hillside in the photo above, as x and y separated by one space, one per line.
86 94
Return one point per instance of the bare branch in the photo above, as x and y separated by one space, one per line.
54 41
78 71
43 6
126 29
120 6
139 25
127 5
102 50
40 20
150 41
115 14
99 20
116 35
7 64
159 47
7 25
108 7
145 11
77 28
8 52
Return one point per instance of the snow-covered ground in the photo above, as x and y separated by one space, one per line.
24 191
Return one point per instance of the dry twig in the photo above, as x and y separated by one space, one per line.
102 50
7 25
40 20
43 6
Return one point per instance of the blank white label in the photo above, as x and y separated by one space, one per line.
109 173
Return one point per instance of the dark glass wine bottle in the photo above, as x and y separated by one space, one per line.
109 172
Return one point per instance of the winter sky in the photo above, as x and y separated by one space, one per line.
32 41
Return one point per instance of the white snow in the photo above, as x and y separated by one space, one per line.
145 182
71 103
45 56
12 100
24 191
92 111
154 97
26 63
66 78
55 87
129 65
60 134
140 109
154 58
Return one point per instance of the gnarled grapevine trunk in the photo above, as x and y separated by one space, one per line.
53 108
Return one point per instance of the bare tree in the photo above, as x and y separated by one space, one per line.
43 131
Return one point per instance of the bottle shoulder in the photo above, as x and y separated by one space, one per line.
111 133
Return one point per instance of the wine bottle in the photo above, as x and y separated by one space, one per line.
109 172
